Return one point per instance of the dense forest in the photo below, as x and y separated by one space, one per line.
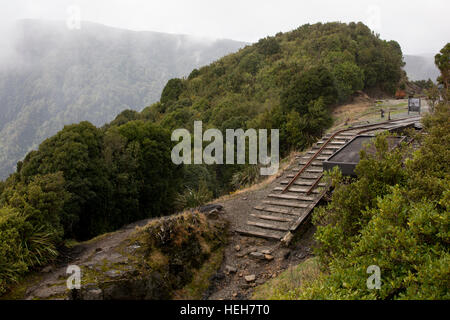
86 180
290 81
58 76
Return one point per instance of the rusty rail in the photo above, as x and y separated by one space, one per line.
314 184
330 139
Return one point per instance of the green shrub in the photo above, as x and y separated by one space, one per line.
23 245
246 177
394 216
349 78
268 46
309 86
193 198
172 91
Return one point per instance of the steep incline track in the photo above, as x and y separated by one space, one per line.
291 203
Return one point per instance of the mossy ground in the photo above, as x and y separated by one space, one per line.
201 279
18 291
185 250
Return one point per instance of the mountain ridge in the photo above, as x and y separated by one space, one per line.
59 77
420 67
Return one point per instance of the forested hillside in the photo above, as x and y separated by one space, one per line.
87 180
59 76
289 81
391 221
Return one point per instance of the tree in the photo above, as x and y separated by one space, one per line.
433 95
306 87
76 151
250 63
124 117
172 90
349 78
442 61
268 46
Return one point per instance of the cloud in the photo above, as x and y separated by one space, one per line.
419 27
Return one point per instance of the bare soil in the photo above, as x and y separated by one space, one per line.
240 260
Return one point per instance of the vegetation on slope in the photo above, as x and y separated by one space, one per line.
174 258
102 178
289 82
59 76
396 216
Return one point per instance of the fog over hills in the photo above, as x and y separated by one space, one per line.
421 67
59 76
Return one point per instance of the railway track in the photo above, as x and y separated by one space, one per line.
291 202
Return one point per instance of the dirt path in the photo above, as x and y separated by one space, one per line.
243 256
250 261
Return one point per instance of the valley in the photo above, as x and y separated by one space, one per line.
60 77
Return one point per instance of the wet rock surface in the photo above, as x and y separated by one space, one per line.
134 263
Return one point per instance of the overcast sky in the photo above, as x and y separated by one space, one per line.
419 26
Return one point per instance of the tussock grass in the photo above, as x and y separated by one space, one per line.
288 284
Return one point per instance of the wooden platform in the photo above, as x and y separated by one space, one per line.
291 202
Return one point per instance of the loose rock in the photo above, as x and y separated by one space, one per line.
93 294
230 269
250 278
301 255
268 257
114 273
257 255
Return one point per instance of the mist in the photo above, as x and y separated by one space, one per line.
419 27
